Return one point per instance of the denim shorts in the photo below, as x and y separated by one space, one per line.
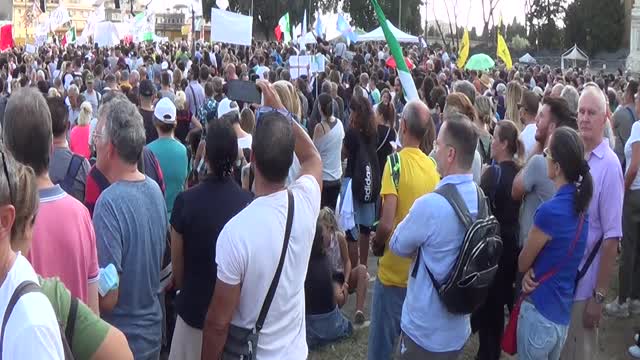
326 328
364 213
539 337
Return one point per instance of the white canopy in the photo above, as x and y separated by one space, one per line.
309 38
574 54
527 59
378 35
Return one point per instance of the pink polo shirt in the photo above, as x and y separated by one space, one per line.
64 242
605 211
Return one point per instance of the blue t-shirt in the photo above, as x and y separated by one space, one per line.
130 222
174 162
558 219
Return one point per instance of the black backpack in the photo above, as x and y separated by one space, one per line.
72 171
467 285
366 174
66 333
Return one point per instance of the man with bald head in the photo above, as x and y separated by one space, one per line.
407 175
605 228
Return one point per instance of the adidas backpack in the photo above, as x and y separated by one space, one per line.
467 285
366 174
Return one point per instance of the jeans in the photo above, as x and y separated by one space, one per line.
386 310
409 350
326 328
538 337
629 270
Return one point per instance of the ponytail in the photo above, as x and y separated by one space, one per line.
584 189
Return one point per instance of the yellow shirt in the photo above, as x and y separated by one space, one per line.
418 176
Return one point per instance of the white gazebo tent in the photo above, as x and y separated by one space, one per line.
574 54
527 59
378 35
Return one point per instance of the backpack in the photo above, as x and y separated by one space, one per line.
394 164
72 171
365 177
466 286
66 334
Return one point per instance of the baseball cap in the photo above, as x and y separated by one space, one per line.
165 111
146 88
226 106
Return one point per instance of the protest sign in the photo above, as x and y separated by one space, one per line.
231 28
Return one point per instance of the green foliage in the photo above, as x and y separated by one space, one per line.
363 15
594 25
519 43
542 17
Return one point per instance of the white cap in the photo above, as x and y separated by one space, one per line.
226 106
165 111
164 65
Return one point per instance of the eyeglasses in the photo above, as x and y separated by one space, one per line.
547 154
6 175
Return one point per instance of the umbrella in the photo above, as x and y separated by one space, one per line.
480 62
391 62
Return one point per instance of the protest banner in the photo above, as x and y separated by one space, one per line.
231 28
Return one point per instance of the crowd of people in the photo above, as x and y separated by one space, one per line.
145 210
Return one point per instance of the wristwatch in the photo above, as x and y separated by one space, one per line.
598 296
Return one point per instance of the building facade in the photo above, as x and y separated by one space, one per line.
79 11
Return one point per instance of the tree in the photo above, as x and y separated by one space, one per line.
266 13
364 16
542 17
516 29
488 7
594 25
473 34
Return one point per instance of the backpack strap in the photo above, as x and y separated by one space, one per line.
633 115
24 288
592 255
276 278
71 320
72 172
394 165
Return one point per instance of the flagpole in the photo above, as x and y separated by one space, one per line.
400 15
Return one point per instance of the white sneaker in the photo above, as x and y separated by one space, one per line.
634 351
634 307
616 309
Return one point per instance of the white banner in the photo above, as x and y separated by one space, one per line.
31 49
43 28
59 17
298 65
231 28
106 34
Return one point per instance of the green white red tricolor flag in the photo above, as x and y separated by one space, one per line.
409 87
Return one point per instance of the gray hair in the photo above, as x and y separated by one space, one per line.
570 94
326 87
413 116
124 75
466 88
134 75
484 109
124 128
73 89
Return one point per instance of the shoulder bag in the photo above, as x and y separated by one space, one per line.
243 343
509 339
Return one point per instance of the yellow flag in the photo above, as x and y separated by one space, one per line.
463 54
503 52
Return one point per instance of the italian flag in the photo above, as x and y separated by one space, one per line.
283 28
69 37
409 87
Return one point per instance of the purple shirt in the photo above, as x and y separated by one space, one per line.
605 211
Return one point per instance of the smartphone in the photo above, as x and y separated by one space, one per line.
245 91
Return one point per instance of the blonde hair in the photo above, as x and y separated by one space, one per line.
53 92
86 111
484 109
327 219
26 199
282 90
514 94
296 106
177 78
181 100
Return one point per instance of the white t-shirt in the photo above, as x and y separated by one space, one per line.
248 251
32 330
528 137
633 137
245 142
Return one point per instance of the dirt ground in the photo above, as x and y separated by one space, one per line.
616 335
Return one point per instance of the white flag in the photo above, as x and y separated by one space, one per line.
59 17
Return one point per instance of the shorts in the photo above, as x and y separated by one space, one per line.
364 213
